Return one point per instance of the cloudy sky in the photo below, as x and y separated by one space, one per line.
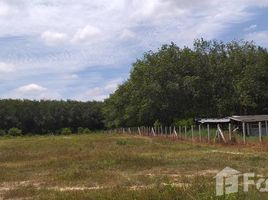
82 49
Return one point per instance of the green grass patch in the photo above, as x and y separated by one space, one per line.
120 167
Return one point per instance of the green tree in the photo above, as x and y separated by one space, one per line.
14 132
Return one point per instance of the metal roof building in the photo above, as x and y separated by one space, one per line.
252 124
214 120
250 118
247 125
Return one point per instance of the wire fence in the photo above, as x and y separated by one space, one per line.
196 133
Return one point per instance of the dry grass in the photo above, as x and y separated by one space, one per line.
100 166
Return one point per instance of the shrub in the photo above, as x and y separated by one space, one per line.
2 132
66 131
86 131
14 132
184 122
80 130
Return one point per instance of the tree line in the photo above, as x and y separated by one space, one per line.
49 117
212 79
171 85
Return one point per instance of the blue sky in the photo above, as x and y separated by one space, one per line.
83 49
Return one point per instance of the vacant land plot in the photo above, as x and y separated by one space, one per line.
100 166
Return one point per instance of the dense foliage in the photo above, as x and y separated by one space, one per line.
41 117
212 79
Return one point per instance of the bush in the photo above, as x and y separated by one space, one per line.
86 131
66 131
80 130
14 132
184 122
2 132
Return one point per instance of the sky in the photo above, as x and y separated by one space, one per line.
83 49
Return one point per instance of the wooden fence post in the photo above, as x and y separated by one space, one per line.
208 133
153 132
260 132
266 128
244 132
175 132
199 132
230 131
192 130
248 133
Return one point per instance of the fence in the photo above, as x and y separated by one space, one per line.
196 133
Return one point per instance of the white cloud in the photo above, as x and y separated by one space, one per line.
99 34
261 37
31 88
127 34
32 91
71 77
96 93
251 27
100 93
54 38
6 68
112 85
5 10
87 34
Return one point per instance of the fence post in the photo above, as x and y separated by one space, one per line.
208 133
248 133
153 131
199 132
192 130
244 132
266 128
175 132
185 132
260 131
230 131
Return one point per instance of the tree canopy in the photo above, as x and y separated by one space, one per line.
42 117
212 79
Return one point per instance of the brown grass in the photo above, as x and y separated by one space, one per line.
100 166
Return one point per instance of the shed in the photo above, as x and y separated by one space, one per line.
252 124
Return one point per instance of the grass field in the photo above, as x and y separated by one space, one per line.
101 166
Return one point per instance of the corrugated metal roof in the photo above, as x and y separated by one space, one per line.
214 120
250 118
